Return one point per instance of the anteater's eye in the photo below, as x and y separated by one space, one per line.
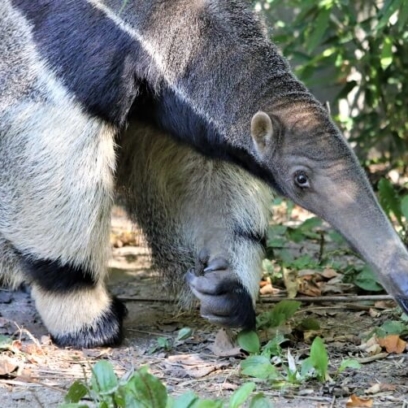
301 179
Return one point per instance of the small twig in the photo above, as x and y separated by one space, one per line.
320 299
33 339
333 401
321 246
142 299
150 333
350 306
277 299
370 359
31 384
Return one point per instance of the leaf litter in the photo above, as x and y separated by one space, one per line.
33 371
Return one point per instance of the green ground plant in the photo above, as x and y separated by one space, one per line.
278 367
140 389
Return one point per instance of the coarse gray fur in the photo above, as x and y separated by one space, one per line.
57 191
185 202
46 141
58 159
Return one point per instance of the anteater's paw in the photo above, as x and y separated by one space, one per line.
224 300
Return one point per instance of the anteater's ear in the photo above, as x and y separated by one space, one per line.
261 130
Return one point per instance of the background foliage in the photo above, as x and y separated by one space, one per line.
355 51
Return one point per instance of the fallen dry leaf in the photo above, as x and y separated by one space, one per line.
192 365
229 386
308 287
32 349
374 350
392 344
268 289
310 335
291 282
310 274
385 304
264 281
378 387
373 312
46 340
374 389
7 365
371 346
356 402
328 288
224 345
329 273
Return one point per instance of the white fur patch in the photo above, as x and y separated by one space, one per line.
67 314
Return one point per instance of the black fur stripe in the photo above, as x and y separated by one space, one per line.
53 276
107 331
90 54
253 236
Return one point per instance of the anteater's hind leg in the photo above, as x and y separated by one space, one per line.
55 218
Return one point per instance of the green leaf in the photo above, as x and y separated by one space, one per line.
260 401
404 207
386 53
184 333
393 327
186 400
281 313
249 341
207 404
304 262
309 324
336 237
306 367
276 237
241 394
76 392
284 310
349 363
319 30
367 281
310 224
125 398
389 199
296 235
403 16
147 389
319 358
388 9
5 342
162 342
104 380
275 242
259 367
272 348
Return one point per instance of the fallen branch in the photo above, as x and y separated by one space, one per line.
277 299
320 299
143 299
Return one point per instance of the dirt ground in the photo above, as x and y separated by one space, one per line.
35 373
